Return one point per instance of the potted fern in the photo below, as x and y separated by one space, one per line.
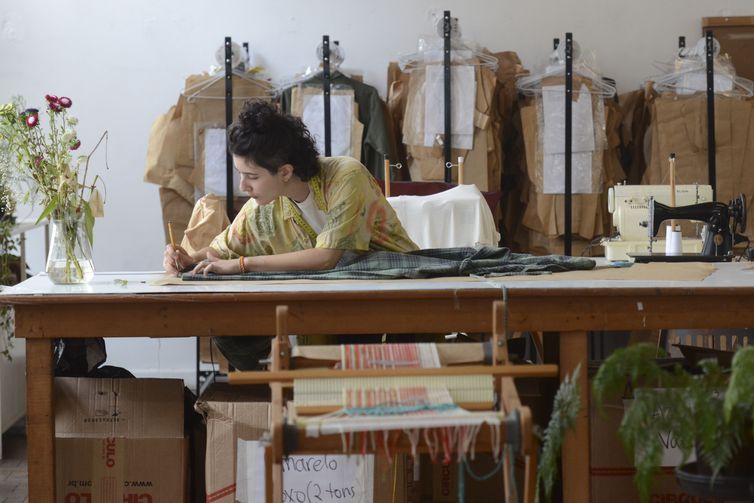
709 413
565 409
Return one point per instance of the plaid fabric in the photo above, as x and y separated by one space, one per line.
432 263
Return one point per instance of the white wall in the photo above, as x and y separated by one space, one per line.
123 63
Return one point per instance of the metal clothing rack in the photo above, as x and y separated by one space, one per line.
229 185
326 85
228 121
568 239
447 144
710 96
711 148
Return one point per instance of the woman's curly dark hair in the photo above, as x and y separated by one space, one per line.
270 139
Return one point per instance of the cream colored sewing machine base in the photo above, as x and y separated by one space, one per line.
617 250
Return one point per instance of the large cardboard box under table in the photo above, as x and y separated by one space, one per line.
120 441
612 471
232 413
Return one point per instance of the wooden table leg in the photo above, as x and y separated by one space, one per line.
40 421
573 350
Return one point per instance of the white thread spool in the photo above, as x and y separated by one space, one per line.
673 244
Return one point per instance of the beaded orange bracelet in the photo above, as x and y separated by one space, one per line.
241 263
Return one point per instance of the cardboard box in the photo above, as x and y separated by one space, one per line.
231 412
612 471
120 441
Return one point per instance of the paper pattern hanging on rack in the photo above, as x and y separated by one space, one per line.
341 112
214 161
462 96
582 141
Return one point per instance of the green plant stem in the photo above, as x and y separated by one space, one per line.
70 230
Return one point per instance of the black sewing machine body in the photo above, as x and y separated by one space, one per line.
719 235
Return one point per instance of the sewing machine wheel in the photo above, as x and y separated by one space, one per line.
739 206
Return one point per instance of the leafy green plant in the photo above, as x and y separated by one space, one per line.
41 153
710 412
565 409
8 247
45 158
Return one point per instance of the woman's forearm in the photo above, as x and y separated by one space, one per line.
314 259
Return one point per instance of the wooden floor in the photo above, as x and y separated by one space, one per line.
14 487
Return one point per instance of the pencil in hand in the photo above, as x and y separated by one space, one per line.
170 234
172 244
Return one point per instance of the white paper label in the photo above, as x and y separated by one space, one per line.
306 479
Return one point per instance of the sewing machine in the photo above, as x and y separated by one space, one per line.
719 232
629 205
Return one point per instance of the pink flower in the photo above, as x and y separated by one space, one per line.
76 144
51 98
31 117
38 160
65 102
53 105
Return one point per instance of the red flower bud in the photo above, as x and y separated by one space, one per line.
32 120
76 144
54 106
38 160
65 102
51 98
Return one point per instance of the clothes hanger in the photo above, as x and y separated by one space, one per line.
337 56
240 61
430 48
690 68
430 52
531 85
195 92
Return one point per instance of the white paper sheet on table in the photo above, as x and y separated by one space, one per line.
582 141
341 113
347 479
215 164
456 217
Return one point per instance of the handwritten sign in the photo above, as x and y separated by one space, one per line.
322 478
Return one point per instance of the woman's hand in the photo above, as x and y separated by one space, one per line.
215 265
176 259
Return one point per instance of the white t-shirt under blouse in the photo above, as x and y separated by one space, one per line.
315 217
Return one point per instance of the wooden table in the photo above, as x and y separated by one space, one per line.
108 308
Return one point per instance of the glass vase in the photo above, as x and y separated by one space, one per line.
70 258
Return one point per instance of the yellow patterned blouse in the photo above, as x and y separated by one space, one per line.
358 218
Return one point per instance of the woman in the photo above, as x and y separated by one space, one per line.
304 211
